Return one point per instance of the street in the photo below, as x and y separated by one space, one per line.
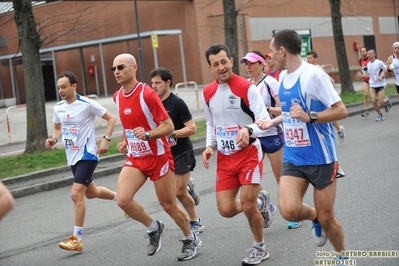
366 206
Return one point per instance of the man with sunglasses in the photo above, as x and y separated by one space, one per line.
146 126
74 121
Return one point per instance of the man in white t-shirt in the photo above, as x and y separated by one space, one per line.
74 121
376 72
393 64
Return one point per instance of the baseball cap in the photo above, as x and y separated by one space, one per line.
252 57
269 55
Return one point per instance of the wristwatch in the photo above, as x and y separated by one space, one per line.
313 116
147 135
173 135
107 137
250 130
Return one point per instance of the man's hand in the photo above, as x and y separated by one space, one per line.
139 133
242 138
50 142
103 148
122 147
206 154
297 112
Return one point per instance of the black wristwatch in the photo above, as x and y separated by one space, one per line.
107 137
250 130
313 116
147 135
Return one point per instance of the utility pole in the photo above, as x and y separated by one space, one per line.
141 64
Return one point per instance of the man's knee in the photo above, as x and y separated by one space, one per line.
181 193
290 212
325 217
226 210
249 208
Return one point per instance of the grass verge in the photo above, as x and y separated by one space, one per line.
26 163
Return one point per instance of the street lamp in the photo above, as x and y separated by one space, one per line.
141 64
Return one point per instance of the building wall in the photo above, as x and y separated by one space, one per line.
202 24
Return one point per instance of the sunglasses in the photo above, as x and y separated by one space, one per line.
120 67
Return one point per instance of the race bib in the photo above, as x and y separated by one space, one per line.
172 142
364 69
295 132
137 147
226 139
69 137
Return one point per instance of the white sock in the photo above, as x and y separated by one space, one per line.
114 199
190 237
260 245
153 227
78 232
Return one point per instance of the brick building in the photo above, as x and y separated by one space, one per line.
92 33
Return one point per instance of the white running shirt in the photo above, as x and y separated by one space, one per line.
78 121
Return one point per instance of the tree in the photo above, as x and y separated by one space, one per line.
230 30
29 43
339 41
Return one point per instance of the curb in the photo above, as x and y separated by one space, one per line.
198 147
67 181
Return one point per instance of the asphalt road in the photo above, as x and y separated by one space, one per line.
366 205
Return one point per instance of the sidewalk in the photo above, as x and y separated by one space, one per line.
61 176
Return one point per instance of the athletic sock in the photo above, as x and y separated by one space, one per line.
78 232
260 245
153 227
190 237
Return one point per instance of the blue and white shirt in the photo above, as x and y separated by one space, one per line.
78 127
307 143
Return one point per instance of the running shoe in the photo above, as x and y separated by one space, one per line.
379 118
341 133
389 104
193 193
365 114
319 237
190 248
340 172
263 195
293 225
196 227
272 208
155 239
72 244
256 256
342 261
126 215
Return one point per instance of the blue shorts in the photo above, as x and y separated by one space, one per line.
271 144
83 172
